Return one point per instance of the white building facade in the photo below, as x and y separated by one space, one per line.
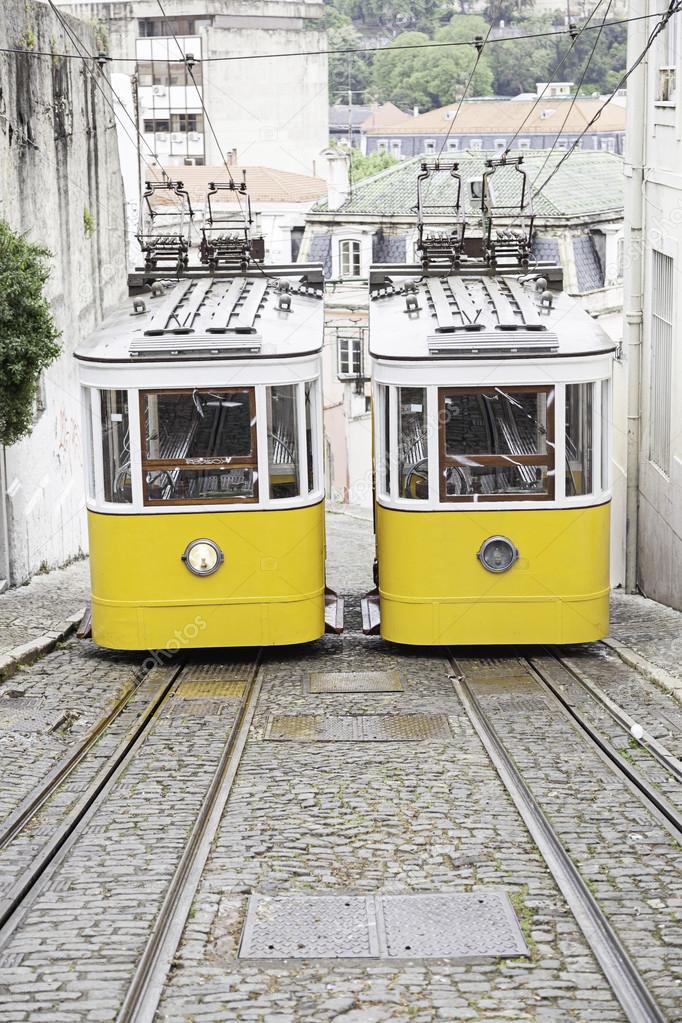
273 111
653 313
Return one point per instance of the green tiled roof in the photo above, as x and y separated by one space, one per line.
588 184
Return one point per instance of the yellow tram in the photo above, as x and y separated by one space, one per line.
203 436
491 397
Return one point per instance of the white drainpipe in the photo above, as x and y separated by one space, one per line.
634 242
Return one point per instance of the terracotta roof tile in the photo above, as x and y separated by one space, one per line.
265 184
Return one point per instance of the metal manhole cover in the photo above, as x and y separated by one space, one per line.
28 714
366 728
452 925
193 690
491 667
354 682
237 671
196 708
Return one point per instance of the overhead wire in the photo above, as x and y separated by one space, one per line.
480 46
575 96
494 40
673 8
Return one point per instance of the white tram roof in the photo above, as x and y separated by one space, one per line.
474 315
270 313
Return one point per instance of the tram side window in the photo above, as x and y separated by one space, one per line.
605 434
116 447
413 455
199 446
496 443
579 439
89 455
311 415
283 441
384 463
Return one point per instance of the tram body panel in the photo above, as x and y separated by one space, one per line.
434 590
269 590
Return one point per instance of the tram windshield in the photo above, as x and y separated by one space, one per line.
199 445
496 443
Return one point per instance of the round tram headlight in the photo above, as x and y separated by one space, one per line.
497 554
203 557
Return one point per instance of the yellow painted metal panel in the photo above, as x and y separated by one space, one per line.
435 591
269 591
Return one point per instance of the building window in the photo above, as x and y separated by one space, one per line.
660 398
475 144
169 27
156 124
609 145
523 144
500 144
453 145
163 72
187 122
429 146
349 351
396 146
349 258
382 145
666 85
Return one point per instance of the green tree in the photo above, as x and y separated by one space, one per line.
396 17
362 166
28 335
433 77
342 35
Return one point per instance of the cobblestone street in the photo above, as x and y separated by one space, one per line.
346 818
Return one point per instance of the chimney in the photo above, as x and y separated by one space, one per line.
336 174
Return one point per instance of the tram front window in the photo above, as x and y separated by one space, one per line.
199 446
116 447
413 451
496 443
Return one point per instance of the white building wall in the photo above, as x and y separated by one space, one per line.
58 161
659 526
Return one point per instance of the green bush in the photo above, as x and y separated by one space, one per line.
28 335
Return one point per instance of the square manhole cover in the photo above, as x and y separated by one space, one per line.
490 668
196 708
437 926
193 690
365 728
236 671
354 682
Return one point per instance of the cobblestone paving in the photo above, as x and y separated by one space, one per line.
652 630
27 612
77 946
367 818
76 684
630 860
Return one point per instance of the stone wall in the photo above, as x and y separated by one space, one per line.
60 183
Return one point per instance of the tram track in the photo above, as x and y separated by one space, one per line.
614 957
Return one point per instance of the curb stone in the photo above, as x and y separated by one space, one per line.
659 676
28 653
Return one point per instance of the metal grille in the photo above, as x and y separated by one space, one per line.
450 925
237 671
492 667
192 690
367 728
197 708
660 397
355 682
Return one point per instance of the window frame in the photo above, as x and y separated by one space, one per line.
355 246
355 346
147 464
548 460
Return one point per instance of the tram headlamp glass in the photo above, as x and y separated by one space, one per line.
203 557
497 554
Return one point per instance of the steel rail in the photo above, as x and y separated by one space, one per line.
622 975
619 714
643 787
26 884
15 823
144 993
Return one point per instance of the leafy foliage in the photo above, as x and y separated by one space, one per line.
431 78
364 166
28 335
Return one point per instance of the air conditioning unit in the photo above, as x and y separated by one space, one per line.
177 137
158 90
162 136
194 136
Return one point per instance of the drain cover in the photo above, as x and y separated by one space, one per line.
196 708
28 714
354 682
480 668
192 690
368 728
451 925
236 671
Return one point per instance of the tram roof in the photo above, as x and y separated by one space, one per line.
475 315
272 312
